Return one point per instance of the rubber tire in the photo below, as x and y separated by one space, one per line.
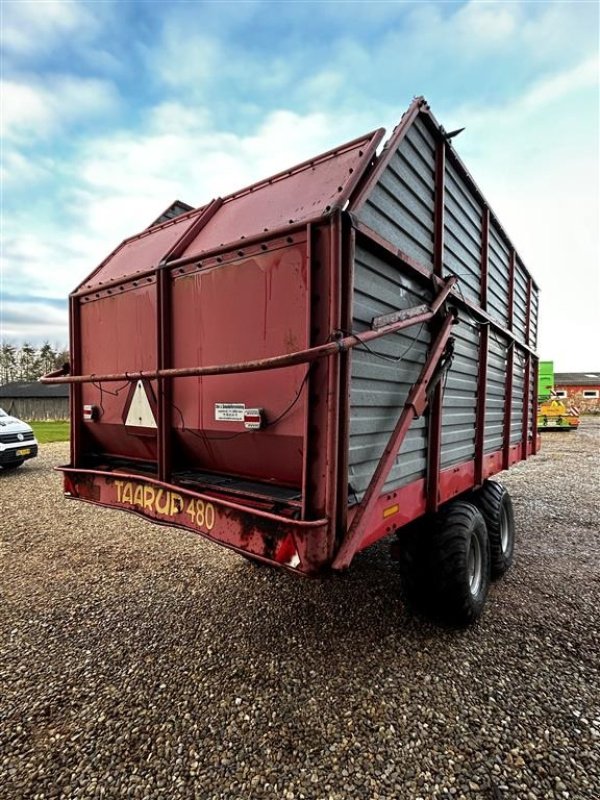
491 500
452 600
14 465
413 561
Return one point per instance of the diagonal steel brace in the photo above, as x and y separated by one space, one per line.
414 407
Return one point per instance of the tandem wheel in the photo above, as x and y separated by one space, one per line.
445 564
493 500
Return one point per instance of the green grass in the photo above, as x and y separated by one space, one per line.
51 431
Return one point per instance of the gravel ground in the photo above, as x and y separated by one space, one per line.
139 661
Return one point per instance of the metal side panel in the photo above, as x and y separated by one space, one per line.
462 234
495 393
520 302
532 417
533 325
498 277
460 397
518 391
401 205
379 385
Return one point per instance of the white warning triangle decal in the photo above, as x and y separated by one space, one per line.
140 413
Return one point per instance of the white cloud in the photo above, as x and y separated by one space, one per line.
536 159
118 185
39 109
19 171
487 24
534 155
30 27
32 322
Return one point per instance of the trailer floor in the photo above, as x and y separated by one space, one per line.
140 661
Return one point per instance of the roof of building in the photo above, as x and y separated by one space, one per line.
33 389
577 378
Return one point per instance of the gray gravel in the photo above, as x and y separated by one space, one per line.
139 661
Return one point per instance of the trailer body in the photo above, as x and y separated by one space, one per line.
305 366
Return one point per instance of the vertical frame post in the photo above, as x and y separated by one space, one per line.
323 389
306 451
527 376
75 389
510 363
534 406
434 433
163 353
484 339
347 289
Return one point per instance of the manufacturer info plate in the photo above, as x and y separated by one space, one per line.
229 412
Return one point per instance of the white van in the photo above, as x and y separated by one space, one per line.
17 441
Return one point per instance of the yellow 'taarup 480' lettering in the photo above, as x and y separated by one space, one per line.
165 502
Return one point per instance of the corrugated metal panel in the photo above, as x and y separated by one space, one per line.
401 205
532 389
516 416
462 234
498 274
379 386
460 397
520 302
533 326
495 392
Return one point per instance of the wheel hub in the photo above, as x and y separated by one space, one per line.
504 531
475 566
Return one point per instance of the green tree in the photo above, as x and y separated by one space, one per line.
27 362
8 363
46 358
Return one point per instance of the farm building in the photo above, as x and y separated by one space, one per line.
581 388
35 400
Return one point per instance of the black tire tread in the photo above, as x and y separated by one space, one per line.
433 564
490 499
454 600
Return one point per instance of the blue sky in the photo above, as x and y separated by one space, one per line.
111 110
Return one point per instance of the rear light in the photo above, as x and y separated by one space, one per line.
286 552
253 418
91 413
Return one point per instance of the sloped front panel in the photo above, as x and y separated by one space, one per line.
142 252
400 206
301 194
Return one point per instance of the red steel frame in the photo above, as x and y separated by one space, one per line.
324 530
328 532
